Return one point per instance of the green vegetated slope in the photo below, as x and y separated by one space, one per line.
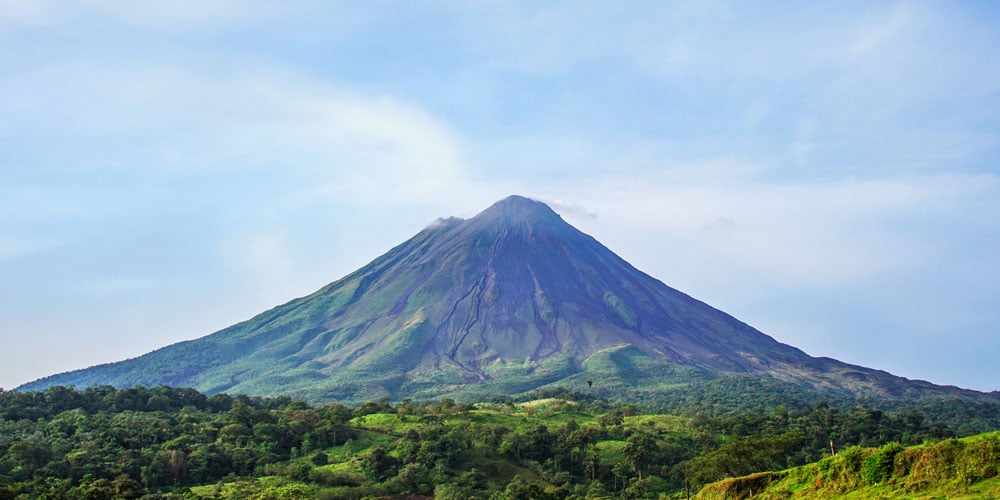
107 443
953 468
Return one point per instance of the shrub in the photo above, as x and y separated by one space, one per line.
878 466
936 462
332 478
852 458
979 460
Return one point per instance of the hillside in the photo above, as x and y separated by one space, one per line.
954 468
509 301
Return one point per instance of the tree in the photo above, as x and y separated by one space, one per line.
641 449
125 487
378 465
167 467
592 464
319 459
415 478
30 454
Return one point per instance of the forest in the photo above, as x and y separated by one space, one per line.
164 442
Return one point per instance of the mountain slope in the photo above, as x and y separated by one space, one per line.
510 300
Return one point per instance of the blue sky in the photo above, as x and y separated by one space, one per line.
827 172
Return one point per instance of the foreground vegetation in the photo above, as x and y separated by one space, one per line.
167 442
953 468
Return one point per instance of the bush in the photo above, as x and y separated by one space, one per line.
878 466
332 478
979 460
853 458
319 458
936 462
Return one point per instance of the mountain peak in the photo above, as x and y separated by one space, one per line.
511 300
515 209
518 200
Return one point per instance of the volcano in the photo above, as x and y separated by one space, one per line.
512 300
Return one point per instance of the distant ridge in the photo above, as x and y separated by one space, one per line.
512 300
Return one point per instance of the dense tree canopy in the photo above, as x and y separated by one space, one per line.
103 442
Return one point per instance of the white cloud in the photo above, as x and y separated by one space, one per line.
175 121
377 147
791 235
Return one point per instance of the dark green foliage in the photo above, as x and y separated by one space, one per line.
139 441
102 440
378 465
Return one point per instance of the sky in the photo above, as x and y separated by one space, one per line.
828 172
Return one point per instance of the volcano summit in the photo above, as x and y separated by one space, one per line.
511 300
